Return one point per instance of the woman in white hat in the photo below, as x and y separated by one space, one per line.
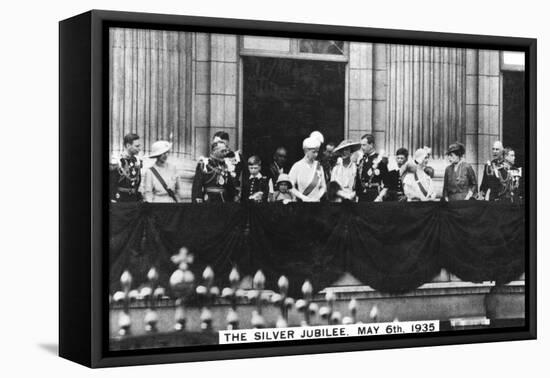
160 182
317 135
306 175
342 178
417 184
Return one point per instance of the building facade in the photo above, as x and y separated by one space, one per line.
265 92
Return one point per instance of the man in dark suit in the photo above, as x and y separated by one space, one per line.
278 165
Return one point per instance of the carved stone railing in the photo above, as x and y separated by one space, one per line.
191 310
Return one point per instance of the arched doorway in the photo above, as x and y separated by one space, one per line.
285 99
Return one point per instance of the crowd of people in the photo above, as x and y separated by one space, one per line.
352 171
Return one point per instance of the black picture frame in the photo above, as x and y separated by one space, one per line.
83 212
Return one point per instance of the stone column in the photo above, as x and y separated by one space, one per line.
483 102
379 87
214 97
472 104
489 102
201 94
360 95
224 86
215 89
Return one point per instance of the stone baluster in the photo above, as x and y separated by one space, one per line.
283 301
182 283
373 315
159 294
304 305
335 318
232 294
207 292
326 312
352 318
151 315
124 321
256 295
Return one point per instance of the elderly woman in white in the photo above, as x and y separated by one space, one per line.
306 175
160 181
417 184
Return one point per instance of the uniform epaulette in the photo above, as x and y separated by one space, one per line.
204 162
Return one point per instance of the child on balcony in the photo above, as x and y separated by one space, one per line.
282 192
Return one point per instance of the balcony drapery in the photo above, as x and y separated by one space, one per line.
426 97
149 87
393 247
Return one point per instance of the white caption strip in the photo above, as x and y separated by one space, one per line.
323 332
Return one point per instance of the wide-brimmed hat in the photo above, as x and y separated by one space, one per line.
420 155
283 177
457 148
159 147
347 143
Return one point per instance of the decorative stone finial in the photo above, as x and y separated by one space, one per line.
259 280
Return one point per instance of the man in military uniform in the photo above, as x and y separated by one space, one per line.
511 177
237 159
372 173
125 172
491 188
395 177
213 181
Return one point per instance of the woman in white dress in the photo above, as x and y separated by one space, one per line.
306 175
417 184
160 181
342 178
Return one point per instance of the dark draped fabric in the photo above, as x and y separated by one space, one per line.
392 247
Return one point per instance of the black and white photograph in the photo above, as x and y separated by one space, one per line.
278 190
234 189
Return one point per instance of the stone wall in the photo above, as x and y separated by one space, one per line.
209 97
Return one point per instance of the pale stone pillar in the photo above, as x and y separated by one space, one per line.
483 103
360 90
379 87
472 80
201 94
489 103
214 97
224 86
215 89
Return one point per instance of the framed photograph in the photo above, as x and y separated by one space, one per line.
234 188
